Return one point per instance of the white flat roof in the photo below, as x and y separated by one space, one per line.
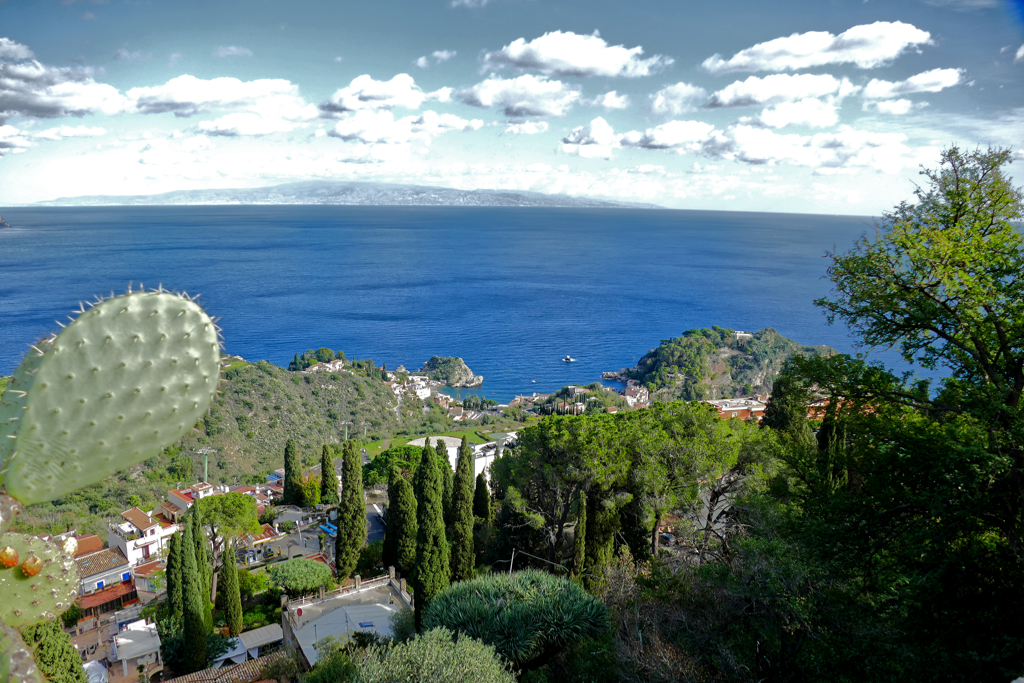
137 639
264 635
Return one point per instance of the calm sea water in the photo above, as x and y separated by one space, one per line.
512 291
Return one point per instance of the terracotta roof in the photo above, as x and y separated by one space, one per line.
184 495
268 533
100 561
243 489
101 597
149 568
88 543
139 519
246 672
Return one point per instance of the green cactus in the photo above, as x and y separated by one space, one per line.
126 378
16 662
27 600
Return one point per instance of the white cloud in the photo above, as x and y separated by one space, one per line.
674 135
69 132
381 127
187 96
806 112
867 46
846 148
527 128
1019 57
928 81
29 88
14 51
123 55
896 107
232 51
244 124
12 141
610 101
677 99
560 53
757 91
439 57
366 93
526 95
594 140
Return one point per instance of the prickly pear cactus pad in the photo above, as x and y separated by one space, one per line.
27 600
16 662
128 377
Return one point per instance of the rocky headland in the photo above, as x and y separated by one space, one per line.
451 371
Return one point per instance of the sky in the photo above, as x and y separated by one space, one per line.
806 106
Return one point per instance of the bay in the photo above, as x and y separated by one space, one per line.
510 290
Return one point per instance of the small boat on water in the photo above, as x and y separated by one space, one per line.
569 359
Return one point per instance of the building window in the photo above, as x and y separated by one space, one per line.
126 576
99 584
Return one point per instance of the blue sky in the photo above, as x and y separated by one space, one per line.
824 106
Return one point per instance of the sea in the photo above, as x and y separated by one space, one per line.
512 291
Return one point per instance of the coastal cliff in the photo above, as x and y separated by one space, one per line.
451 371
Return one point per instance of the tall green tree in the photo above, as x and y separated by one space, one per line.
447 480
943 280
229 587
579 543
204 563
482 500
432 554
194 627
463 557
58 660
328 480
400 535
292 475
351 513
173 569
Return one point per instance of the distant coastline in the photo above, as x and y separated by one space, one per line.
347 193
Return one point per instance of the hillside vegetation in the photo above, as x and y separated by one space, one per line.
713 363
259 408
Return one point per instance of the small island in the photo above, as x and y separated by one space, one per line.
3 223
451 371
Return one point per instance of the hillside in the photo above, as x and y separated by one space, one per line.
715 363
260 407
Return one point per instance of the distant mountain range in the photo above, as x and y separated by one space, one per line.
362 194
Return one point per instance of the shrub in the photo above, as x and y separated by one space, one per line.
433 657
301 576
529 616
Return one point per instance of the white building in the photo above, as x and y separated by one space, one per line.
140 537
138 645
179 501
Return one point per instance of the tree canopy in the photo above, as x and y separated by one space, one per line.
300 576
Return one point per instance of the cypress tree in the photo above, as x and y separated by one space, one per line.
351 513
579 544
292 481
58 660
204 564
482 500
432 561
463 557
446 479
173 574
228 587
194 612
400 536
328 479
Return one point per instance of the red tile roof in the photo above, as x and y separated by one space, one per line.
268 533
139 519
100 561
88 543
149 568
105 595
